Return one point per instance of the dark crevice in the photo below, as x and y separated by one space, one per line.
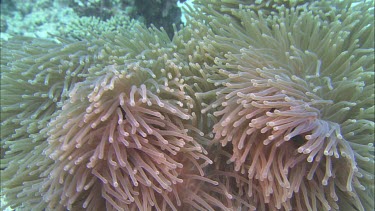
123 113
298 140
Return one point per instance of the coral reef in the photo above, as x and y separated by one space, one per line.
74 18
36 18
250 106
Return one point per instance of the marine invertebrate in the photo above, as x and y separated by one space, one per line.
295 103
32 90
120 132
84 27
123 141
123 121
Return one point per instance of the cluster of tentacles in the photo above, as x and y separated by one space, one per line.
249 107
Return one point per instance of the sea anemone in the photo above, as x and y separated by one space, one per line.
119 132
122 141
279 99
35 79
295 104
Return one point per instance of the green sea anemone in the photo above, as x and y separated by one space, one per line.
249 107
295 102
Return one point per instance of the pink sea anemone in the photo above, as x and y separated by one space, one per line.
129 143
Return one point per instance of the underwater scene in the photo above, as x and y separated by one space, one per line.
187 105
